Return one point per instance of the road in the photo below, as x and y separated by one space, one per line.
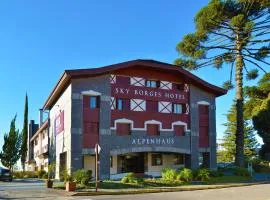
35 190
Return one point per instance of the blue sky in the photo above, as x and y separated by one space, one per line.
40 39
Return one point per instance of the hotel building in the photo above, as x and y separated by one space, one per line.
145 115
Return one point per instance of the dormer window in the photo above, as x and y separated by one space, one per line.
152 83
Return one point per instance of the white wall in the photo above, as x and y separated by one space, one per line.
89 164
63 140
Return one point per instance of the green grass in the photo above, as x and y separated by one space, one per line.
228 179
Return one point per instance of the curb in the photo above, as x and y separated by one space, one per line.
159 190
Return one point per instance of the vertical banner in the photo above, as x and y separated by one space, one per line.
59 123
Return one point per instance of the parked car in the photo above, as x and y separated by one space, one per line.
5 174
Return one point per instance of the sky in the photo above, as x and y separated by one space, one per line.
40 39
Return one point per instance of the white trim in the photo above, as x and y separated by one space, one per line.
91 93
203 103
129 121
181 124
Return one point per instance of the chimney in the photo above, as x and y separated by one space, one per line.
40 117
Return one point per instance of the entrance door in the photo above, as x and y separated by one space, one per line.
133 163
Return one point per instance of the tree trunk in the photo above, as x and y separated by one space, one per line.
239 157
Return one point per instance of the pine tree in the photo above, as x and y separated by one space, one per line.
10 153
259 110
250 141
24 134
234 32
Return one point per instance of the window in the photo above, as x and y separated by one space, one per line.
152 83
93 102
177 108
111 161
152 129
179 130
179 159
36 141
119 104
180 87
156 159
123 129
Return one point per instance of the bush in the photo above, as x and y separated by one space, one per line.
64 175
203 175
79 175
169 174
241 172
25 174
41 173
216 173
45 175
185 175
83 177
129 178
140 180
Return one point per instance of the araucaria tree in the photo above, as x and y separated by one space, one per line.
228 144
235 33
258 108
24 134
10 153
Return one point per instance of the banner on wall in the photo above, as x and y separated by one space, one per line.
59 123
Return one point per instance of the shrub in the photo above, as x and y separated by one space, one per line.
24 174
216 173
45 175
41 173
203 175
185 175
79 175
83 177
140 180
64 175
241 172
129 178
169 174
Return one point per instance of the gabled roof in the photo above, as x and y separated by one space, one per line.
151 64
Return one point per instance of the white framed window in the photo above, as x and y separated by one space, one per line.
177 108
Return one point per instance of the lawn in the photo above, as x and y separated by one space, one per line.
155 183
228 179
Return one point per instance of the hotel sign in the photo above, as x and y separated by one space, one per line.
153 141
149 93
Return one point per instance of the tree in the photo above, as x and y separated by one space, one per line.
10 153
259 110
235 33
250 142
24 134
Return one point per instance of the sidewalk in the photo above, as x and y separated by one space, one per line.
91 192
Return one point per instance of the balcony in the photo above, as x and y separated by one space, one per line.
44 152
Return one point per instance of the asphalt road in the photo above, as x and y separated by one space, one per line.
36 190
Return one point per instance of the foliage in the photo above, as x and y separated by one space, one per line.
260 165
185 175
169 174
216 173
83 177
234 33
229 139
240 171
228 179
64 175
23 151
203 175
258 108
10 153
25 174
41 173
129 178
51 170
140 180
